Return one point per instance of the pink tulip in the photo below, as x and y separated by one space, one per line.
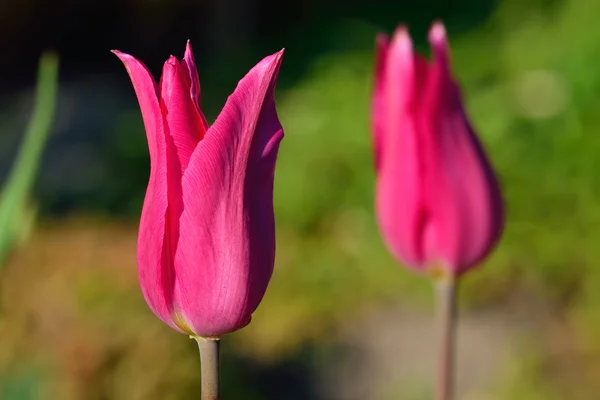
438 202
206 244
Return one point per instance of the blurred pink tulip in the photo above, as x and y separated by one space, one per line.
438 202
206 244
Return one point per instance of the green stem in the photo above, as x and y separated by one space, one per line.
446 327
210 364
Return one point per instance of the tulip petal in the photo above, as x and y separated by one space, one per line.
399 189
184 129
184 123
378 113
227 244
153 258
464 197
189 66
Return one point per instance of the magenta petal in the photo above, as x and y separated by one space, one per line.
378 104
399 201
463 195
438 201
184 129
189 66
154 266
184 123
227 243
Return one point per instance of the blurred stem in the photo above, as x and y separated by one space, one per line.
210 364
445 288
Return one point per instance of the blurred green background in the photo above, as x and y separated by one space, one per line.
340 319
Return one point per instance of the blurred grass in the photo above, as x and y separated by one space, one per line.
16 211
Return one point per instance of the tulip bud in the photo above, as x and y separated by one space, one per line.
438 203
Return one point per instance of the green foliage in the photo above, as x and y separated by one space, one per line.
16 212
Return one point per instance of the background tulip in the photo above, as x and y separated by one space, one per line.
206 244
438 203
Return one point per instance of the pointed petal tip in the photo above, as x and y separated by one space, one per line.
188 55
172 61
439 42
401 30
188 47
437 33
401 40
275 59
279 54
119 53
126 59
382 39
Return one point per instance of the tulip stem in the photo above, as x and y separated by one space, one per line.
210 366
446 326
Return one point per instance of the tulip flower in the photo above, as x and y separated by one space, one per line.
438 203
206 244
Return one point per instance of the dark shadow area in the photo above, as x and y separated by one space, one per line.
293 377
